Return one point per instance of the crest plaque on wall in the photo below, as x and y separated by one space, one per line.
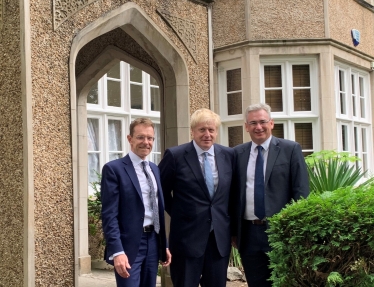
64 9
185 29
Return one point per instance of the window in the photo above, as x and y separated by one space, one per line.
290 87
353 113
231 103
120 96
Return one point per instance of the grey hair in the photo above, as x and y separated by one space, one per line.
257 107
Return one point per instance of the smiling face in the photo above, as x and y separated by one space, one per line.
141 141
204 134
259 132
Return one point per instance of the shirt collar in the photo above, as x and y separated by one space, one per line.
199 150
265 144
136 160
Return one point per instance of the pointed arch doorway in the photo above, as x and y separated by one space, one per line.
164 62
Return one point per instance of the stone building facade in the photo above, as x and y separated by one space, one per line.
225 54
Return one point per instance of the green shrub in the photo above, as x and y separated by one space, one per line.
325 240
329 170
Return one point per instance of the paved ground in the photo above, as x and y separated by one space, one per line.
105 278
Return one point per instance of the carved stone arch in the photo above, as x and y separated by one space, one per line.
175 98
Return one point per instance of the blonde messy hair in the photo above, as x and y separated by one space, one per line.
204 116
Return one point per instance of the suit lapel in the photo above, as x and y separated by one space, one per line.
221 167
272 156
129 168
243 158
194 164
159 188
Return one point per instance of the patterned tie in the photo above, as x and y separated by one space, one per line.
152 196
259 185
208 175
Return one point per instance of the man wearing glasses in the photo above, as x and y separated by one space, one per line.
270 172
133 211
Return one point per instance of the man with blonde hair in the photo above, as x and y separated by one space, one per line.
196 179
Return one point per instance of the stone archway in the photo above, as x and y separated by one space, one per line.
174 76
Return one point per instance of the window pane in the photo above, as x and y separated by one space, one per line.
301 100
93 167
114 93
273 76
155 99
93 95
278 131
362 97
92 134
135 75
304 135
157 143
234 103
136 97
115 135
115 72
113 156
235 135
156 158
274 99
355 133
342 92
153 81
344 138
234 80
363 139
353 85
300 76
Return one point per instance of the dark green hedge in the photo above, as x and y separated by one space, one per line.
325 240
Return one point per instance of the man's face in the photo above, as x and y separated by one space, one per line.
141 141
204 134
259 126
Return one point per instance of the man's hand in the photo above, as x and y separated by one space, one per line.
121 263
168 258
233 241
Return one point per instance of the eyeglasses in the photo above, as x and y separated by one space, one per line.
262 123
142 138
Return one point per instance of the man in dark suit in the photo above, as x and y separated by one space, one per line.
133 211
196 179
270 172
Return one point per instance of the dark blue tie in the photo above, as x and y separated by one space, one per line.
259 185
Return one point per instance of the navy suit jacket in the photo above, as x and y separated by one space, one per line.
123 209
286 178
188 202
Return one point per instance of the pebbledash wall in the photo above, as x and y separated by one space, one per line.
11 148
50 52
294 29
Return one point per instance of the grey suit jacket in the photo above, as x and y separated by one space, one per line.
286 178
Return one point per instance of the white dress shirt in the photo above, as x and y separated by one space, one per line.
212 161
249 213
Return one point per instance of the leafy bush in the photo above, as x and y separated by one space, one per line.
329 170
94 206
325 240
